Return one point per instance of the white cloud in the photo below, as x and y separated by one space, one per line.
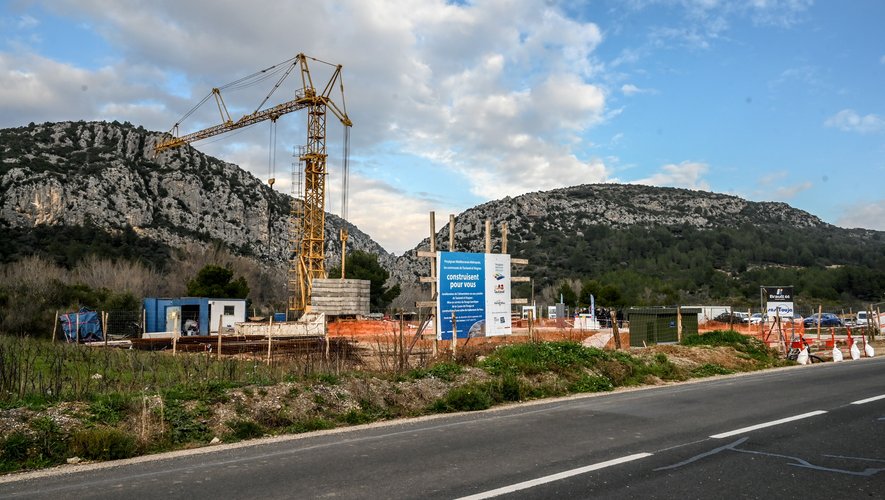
629 89
867 215
397 220
27 22
787 192
687 175
704 22
849 120
501 93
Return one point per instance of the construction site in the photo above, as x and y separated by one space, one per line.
467 304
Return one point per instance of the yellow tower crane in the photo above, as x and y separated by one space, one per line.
307 241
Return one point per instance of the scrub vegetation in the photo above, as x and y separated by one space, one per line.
66 403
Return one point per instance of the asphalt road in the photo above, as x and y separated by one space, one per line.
816 431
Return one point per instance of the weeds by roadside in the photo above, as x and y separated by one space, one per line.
60 401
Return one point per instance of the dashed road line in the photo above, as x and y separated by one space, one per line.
554 477
868 400
767 424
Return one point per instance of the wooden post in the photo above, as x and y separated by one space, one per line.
218 355
55 326
454 337
531 326
730 318
503 237
878 320
143 322
488 236
402 344
269 333
77 332
762 325
327 346
617 334
451 232
177 326
104 327
679 324
343 250
781 335
820 310
433 283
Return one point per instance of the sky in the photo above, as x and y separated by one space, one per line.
461 102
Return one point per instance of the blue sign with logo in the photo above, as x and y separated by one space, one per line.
462 292
475 287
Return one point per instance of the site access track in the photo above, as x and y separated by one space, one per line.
813 431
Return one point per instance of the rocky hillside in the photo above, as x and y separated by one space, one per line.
646 245
569 211
652 245
105 174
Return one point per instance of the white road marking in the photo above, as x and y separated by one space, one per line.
767 424
554 477
869 400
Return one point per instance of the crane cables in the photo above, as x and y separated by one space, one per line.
345 173
345 163
245 82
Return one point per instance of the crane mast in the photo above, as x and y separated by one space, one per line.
307 240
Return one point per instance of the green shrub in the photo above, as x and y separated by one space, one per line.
751 346
536 358
273 419
512 389
367 412
184 425
664 369
466 398
591 383
14 450
245 429
103 443
709 370
110 408
310 425
327 378
445 371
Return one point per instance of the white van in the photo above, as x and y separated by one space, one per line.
861 319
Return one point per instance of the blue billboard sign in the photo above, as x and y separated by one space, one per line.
476 289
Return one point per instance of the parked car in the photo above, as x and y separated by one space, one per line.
862 319
825 319
757 318
733 317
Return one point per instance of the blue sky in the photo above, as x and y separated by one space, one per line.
458 103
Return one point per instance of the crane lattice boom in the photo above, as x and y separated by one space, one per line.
307 250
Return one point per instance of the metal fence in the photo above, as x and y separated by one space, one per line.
114 325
